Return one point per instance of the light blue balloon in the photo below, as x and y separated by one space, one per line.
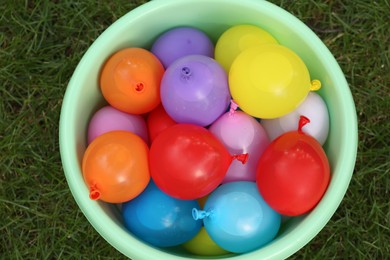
159 219
237 218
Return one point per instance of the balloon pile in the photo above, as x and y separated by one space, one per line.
208 146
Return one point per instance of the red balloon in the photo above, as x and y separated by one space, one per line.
188 162
158 120
293 173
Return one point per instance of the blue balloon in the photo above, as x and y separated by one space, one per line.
159 219
237 218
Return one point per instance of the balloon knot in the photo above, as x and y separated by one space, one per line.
233 107
302 122
315 85
139 87
186 72
243 158
199 214
94 193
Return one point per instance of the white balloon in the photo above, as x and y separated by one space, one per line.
314 108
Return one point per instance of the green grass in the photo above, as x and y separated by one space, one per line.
41 43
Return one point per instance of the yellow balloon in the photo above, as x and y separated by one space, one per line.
203 245
269 81
237 39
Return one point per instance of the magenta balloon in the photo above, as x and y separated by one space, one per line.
241 133
195 90
109 119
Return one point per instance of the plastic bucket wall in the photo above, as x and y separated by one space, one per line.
139 28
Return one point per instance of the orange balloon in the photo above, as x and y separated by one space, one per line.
115 167
130 80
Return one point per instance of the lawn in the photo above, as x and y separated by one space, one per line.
41 43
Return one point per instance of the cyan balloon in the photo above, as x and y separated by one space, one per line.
237 218
159 219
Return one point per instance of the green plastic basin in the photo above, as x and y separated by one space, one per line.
139 28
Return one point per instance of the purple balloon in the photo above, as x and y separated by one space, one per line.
241 133
194 90
109 119
180 42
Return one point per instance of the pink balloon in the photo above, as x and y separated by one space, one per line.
241 133
109 119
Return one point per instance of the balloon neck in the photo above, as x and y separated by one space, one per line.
94 193
200 214
302 122
186 73
315 85
233 107
243 158
139 87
